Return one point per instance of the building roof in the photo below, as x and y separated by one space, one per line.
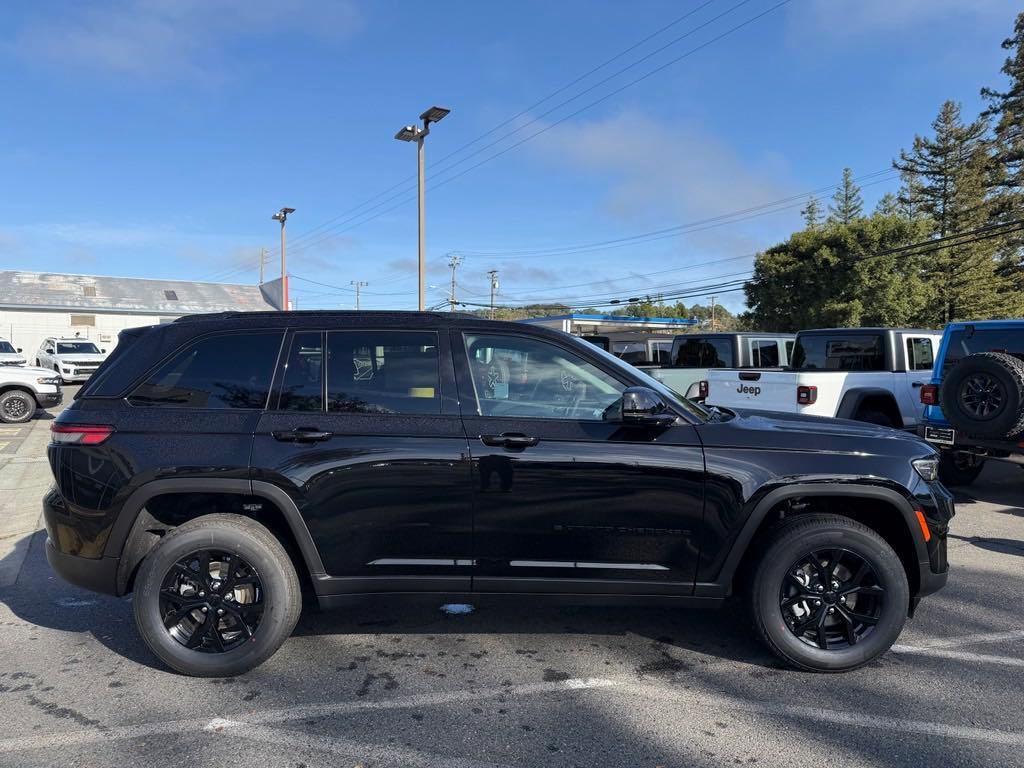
127 295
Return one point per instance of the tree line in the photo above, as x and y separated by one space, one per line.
948 246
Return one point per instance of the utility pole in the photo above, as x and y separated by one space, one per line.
493 274
359 284
282 216
712 314
263 261
453 263
418 134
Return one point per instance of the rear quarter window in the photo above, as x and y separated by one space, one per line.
839 353
224 371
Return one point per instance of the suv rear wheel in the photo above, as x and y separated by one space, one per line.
828 594
216 597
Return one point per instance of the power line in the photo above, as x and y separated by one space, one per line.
350 223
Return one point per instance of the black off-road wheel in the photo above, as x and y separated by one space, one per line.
983 395
957 468
216 597
16 407
875 417
828 594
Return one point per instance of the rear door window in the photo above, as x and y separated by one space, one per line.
839 353
920 356
764 353
704 353
383 372
225 371
302 388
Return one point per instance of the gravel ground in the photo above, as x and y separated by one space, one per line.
525 684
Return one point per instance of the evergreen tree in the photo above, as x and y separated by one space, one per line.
812 213
953 170
847 205
888 205
841 275
909 202
1007 108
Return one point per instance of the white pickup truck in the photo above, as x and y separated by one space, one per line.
24 389
865 374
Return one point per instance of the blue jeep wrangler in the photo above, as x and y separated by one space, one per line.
975 402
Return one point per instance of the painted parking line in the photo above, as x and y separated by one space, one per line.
275 716
976 658
962 640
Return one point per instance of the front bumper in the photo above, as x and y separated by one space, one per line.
937 505
49 399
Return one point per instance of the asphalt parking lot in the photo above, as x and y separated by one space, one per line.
521 684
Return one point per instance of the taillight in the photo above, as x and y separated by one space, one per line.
702 390
930 394
806 395
80 434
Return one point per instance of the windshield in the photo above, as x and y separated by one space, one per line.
6 346
698 412
77 348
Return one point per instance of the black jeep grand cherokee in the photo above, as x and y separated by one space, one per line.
220 464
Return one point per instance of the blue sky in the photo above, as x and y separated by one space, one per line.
154 138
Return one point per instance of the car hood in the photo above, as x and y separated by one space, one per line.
12 358
90 357
29 372
788 431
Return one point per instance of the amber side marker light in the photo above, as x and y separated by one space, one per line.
80 434
924 526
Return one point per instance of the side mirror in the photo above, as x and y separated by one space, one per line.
642 406
20 349
103 351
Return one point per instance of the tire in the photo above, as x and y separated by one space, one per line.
789 544
956 469
274 608
983 396
875 417
16 407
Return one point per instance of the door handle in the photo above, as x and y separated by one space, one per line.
302 435
509 440
917 384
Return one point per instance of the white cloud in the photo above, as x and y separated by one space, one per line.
676 169
172 39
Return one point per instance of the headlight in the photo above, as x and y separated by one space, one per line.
928 469
46 380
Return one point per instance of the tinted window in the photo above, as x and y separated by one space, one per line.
6 346
662 352
77 348
303 385
633 352
963 343
704 353
229 371
919 354
844 353
764 353
522 377
382 372
789 348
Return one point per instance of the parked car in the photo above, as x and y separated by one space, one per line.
24 390
694 354
864 374
9 355
216 465
74 359
974 404
635 347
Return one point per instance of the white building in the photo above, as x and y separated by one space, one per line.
35 305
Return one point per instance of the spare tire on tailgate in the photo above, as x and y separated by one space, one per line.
983 395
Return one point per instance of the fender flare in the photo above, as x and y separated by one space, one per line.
721 586
854 398
131 511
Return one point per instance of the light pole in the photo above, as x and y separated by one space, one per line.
418 134
282 216
493 274
359 284
453 264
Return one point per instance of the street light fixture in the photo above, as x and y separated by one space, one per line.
418 134
282 216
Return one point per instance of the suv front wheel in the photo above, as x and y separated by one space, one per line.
828 593
216 596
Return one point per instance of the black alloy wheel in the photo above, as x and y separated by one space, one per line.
982 396
211 601
14 409
831 599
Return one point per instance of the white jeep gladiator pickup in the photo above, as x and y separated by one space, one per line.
864 374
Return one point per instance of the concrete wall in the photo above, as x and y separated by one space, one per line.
28 328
